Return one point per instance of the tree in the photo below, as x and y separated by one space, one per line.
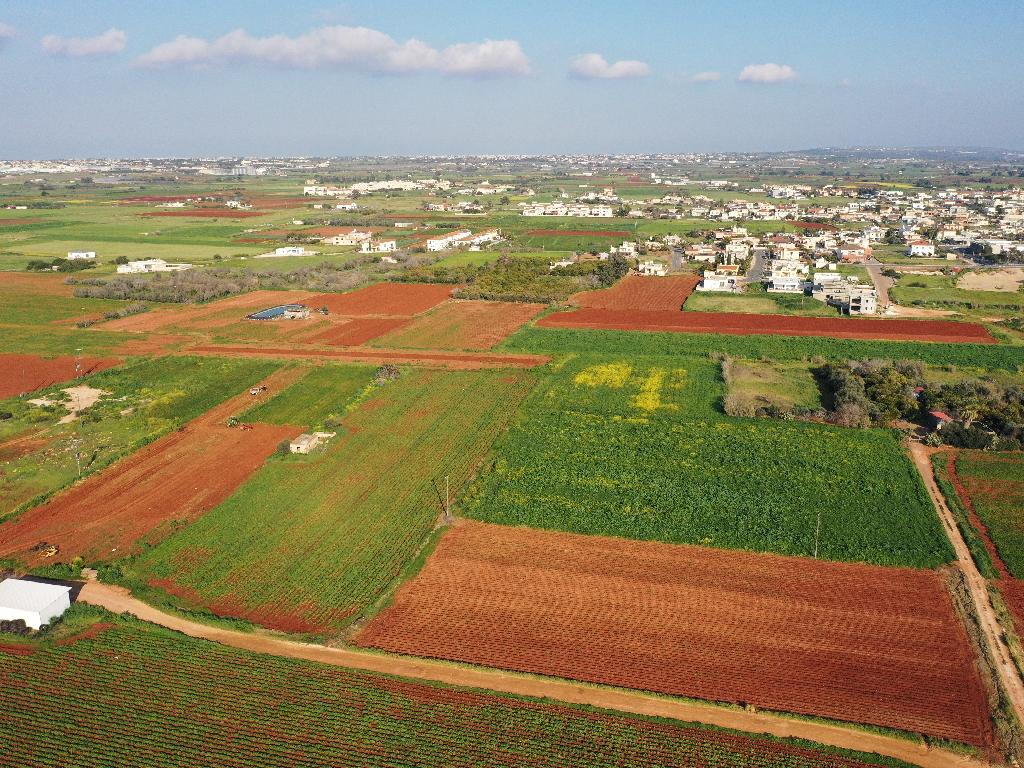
611 271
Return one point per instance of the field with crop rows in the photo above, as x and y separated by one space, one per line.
309 541
21 374
797 635
461 325
146 400
638 448
564 340
995 484
321 392
139 697
644 293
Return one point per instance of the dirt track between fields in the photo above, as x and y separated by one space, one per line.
994 639
119 600
455 360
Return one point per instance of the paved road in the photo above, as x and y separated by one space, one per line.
1005 668
119 600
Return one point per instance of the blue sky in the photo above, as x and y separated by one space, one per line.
107 78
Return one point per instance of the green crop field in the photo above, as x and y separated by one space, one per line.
562 340
31 309
758 301
163 700
57 340
995 483
637 448
323 392
145 400
309 541
783 385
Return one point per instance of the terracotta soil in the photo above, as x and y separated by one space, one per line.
643 293
355 331
20 374
207 213
18 222
460 361
579 232
736 323
390 299
463 325
177 478
859 643
43 285
21 445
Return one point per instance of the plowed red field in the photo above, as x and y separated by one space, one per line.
178 477
638 292
214 315
463 325
456 360
851 642
579 232
741 324
18 222
20 374
393 299
47 285
358 330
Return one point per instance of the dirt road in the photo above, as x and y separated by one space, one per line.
882 283
119 600
1007 671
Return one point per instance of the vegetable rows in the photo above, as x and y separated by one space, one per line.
136 696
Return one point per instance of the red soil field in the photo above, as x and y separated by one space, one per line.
638 292
278 203
358 330
737 323
463 325
579 232
392 299
20 374
42 285
21 445
208 213
859 643
18 222
455 360
178 477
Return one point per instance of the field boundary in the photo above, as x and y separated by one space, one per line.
119 600
464 360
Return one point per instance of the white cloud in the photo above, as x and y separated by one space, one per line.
706 77
6 32
111 41
360 48
594 66
767 73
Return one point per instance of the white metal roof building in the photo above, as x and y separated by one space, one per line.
34 603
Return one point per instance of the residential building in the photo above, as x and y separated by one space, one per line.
81 255
150 265
921 248
444 242
652 268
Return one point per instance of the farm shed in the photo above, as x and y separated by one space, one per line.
305 442
32 602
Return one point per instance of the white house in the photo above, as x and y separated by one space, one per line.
34 603
444 242
150 265
785 285
77 255
305 443
382 246
355 237
290 250
654 268
713 281
920 248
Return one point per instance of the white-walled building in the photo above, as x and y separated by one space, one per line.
920 248
444 242
290 250
150 265
32 602
80 255
382 246
653 268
